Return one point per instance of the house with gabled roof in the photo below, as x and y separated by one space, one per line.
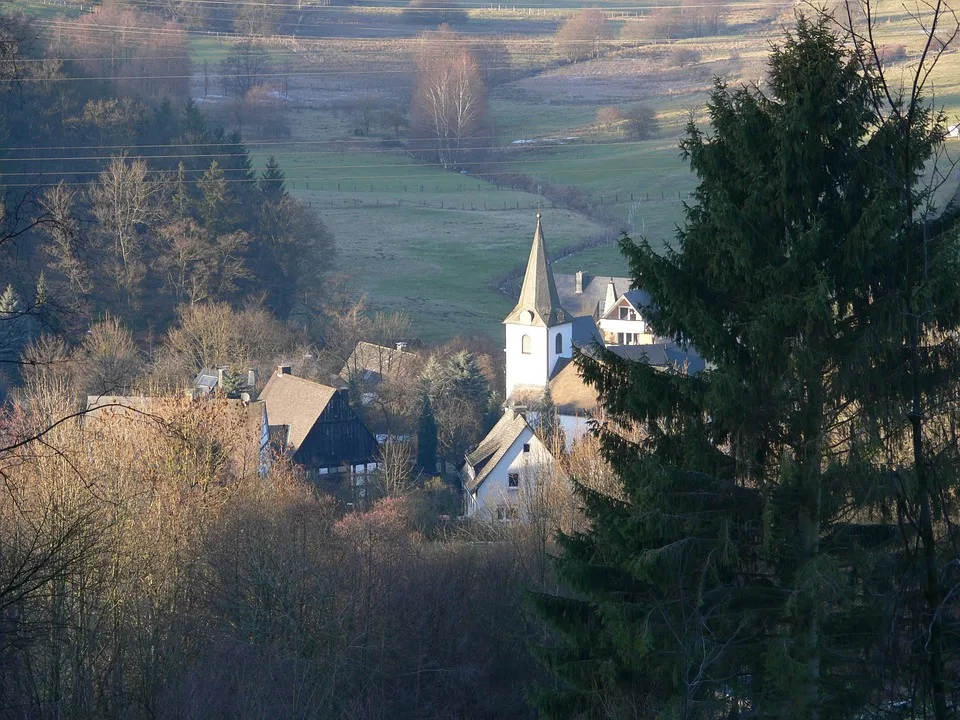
371 364
316 427
498 477
616 308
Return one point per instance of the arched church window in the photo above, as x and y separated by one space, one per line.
528 316
526 345
559 344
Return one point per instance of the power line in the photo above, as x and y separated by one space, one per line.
323 168
544 144
341 179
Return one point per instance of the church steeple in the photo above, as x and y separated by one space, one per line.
539 303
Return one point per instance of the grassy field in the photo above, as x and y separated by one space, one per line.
430 253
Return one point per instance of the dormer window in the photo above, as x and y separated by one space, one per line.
559 344
526 345
528 317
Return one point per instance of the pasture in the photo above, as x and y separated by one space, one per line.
423 240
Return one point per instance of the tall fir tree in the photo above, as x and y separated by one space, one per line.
739 575
273 182
548 423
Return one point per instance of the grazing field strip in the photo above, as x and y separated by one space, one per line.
425 252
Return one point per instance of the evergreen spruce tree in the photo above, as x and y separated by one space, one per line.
738 575
234 383
273 185
548 426
218 204
427 438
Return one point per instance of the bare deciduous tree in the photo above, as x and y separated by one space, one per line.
449 103
125 199
579 37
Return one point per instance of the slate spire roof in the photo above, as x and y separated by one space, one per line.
539 293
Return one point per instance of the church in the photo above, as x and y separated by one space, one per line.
552 316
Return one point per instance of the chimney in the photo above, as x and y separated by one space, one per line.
284 370
579 286
220 373
251 378
611 299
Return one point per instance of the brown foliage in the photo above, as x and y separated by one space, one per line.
690 18
215 335
264 107
578 37
608 117
141 52
449 104
165 580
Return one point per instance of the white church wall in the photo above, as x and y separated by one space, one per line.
565 332
526 368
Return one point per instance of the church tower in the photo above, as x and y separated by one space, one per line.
539 331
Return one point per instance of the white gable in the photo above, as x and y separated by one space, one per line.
505 492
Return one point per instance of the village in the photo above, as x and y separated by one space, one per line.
547 407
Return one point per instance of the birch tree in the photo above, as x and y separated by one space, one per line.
124 200
449 104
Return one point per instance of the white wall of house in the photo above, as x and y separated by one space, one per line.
535 367
495 499
617 327
574 428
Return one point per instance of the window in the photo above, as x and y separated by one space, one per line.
513 480
559 344
526 447
526 345
628 313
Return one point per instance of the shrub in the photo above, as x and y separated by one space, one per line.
683 56
642 122
577 37
893 53
607 116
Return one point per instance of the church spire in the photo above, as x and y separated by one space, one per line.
539 303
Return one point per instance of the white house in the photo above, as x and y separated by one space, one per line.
499 477
619 317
